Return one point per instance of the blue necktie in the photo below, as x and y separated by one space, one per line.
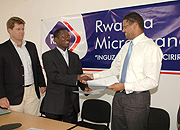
125 65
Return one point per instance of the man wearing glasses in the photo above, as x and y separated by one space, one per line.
63 69
138 66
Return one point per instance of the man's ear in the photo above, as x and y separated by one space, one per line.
135 25
55 39
9 30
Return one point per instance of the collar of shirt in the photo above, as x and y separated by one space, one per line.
26 62
65 54
138 38
24 43
62 52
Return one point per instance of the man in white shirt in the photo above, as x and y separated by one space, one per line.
21 77
130 107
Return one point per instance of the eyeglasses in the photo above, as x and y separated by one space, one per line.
65 36
124 27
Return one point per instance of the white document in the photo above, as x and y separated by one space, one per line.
97 91
103 82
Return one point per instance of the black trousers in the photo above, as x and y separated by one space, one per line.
130 111
70 117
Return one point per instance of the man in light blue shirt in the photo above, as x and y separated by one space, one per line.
130 108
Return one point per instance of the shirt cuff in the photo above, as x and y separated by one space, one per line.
128 86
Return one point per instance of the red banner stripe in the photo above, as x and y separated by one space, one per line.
174 73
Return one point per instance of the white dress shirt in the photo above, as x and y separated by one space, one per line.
26 61
144 65
65 54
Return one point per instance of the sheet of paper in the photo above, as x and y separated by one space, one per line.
103 82
97 91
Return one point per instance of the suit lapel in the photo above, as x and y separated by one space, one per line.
70 58
13 51
60 57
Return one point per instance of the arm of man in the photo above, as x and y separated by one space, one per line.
4 102
84 77
114 70
117 87
40 76
80 78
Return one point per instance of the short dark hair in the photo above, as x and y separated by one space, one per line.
135 17
56 33
10 23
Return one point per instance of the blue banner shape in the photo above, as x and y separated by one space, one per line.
105 37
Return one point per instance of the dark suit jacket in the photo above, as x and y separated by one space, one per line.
12 72
178 115
61 81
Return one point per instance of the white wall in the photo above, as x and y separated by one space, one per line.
32 11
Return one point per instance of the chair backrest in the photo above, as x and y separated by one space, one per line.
96 110
158 119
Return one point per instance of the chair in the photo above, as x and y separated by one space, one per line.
158 119
96 111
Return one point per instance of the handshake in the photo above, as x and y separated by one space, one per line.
114 84
84 77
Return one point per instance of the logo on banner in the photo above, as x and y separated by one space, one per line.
97 37
75 37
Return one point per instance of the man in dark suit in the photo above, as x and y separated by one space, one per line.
62 69
20 71
178 118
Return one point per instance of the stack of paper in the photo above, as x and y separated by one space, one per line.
97 91
103 82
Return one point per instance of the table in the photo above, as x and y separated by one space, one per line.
30 121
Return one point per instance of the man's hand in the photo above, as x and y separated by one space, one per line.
4 102
84 77
117 86
87 89
42 89
87 76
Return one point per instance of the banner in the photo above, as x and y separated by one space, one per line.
97 37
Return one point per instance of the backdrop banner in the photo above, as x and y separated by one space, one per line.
97 37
